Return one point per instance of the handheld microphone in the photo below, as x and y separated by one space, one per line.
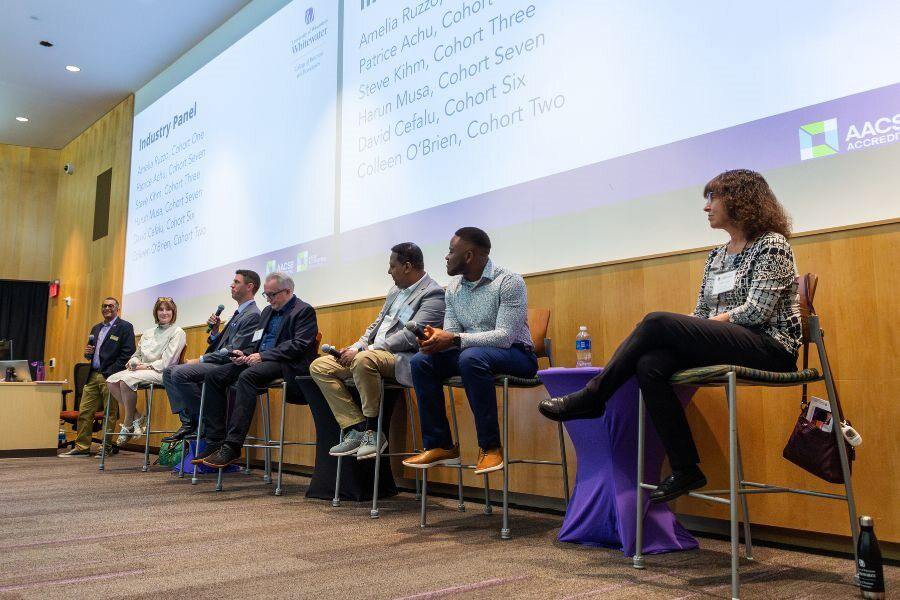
219 310
417 330
329 349
91 340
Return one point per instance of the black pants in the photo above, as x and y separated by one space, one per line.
664 343
246 381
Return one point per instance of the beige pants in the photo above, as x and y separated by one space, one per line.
93 399
367 369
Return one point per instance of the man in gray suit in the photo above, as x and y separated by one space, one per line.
183 381
384 350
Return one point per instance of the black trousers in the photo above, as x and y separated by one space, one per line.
664 343
246 381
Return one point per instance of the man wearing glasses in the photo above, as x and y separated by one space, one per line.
183 381
111 344
282 348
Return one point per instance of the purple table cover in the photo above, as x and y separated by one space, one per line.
601 511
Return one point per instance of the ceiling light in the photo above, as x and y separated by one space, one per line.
72 68
22 119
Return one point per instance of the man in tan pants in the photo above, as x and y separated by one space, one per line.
110 345
384 350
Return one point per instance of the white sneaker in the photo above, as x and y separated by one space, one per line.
125 434
138 426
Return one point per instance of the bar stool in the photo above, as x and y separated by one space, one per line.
386 384
730 377
148 389
538 320
266 442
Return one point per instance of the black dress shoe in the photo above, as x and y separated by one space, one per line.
226 455
184 431
677 484
210 449
572 406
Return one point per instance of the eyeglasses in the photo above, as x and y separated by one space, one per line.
107 306
164 299
271 295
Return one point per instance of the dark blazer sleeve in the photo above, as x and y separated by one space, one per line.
95 331
126 346
302 336
243 337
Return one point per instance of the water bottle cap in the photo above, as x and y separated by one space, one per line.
582 328
865 521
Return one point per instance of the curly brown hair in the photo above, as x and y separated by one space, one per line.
750 202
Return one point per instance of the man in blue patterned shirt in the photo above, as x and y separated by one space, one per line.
485 333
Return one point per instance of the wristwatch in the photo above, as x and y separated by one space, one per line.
457 341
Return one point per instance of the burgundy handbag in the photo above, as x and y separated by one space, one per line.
809 447
816 451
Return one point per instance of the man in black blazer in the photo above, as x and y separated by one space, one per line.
283 347
183 381
113 345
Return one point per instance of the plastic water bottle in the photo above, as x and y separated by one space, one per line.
583 347
870 570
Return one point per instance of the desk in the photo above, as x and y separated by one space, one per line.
601 510
30 418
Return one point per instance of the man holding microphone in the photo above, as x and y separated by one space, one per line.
383 350
183 381
110 345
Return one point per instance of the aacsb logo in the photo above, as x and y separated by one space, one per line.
310 15
820 131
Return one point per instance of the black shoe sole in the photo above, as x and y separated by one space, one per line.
679 492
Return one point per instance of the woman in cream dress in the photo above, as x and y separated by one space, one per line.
160 347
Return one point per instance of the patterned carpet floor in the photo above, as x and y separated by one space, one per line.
70 531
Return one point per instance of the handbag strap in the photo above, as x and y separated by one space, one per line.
806 291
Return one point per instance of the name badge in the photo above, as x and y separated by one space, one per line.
114 338
723 282
404 314
257 335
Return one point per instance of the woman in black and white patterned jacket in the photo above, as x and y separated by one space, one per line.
747 314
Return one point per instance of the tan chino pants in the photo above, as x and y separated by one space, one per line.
93 399
367 369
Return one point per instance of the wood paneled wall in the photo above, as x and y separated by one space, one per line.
28 178
88 270
857 300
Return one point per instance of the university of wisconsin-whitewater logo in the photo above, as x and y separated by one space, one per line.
310 15
819 139
302 260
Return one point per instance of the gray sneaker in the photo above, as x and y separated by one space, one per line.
349 445
368 448
76 451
